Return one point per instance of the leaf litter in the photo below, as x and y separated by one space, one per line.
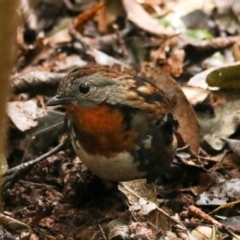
58 198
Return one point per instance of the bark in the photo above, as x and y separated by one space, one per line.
8 23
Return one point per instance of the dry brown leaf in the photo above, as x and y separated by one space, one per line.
141 196
222 124
142 199
195 95
137 14
202 232
118 229
220 193
200 50
23 114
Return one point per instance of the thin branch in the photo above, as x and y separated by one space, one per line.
14 173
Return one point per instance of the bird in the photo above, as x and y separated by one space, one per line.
120 125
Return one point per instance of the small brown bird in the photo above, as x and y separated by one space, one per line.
120 126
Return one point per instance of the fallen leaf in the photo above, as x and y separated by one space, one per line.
195 95
118 229
143 204
220 193
201 232
222 124
199 80
23 114
225 77
137 14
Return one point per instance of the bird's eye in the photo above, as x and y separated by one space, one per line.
84 88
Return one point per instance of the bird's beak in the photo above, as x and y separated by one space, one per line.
58 99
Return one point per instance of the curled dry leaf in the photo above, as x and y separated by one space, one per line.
200 50
137 14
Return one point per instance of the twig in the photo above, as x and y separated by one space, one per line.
103 233
12 174
227 205
206 217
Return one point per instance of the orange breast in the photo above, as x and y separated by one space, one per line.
101 130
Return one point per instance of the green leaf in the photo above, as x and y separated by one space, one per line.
225 77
